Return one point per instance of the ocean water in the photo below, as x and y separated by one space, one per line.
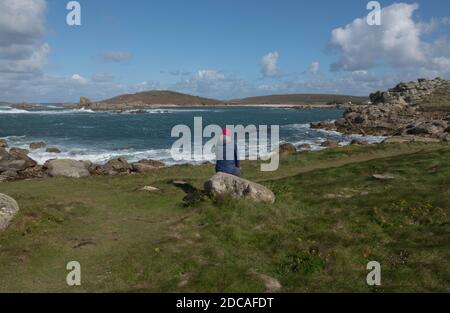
100 136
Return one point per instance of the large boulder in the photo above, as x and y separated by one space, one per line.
115 167
15 160
12 165
330 144
4 155
224 184
37 145
18 151
8 209
145 166
22 154
3 143
287 149
53 150
67 168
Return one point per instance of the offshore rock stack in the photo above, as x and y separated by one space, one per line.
400 111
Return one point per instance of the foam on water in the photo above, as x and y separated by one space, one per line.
101 136
44 112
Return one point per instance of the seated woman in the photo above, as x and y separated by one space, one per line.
227 159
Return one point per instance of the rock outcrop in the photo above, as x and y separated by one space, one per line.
37 145
84 101
8 209
145 166
113 167
223 184
287 149
15 164
16 160
402 110
330 144
3 143
67 168
53 150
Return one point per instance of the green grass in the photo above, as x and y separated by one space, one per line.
330 219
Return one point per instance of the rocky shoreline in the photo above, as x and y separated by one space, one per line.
15 164
402 114
408 110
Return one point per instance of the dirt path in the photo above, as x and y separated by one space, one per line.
320 165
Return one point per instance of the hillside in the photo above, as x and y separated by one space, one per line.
147 99
154 98
300 99
330 219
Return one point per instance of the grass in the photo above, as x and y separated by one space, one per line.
330 219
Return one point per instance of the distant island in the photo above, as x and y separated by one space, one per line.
165 98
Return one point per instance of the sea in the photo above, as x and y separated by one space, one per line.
100 136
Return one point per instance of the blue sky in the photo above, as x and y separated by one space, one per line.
222 49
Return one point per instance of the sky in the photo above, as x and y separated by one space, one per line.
219 49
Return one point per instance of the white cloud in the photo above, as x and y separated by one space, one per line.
210 75
397 43
22 25
79 79
269 65
314 68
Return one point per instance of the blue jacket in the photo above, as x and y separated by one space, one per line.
227 166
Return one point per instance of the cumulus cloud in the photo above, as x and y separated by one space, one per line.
114 56
269 65
398 43
22 26
314 68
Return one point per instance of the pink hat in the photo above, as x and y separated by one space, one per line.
227 132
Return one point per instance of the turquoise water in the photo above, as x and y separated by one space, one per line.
100 136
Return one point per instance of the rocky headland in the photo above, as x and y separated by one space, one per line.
409 110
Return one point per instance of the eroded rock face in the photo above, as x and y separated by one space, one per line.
8 209
67 168
399 111
223 184
3 143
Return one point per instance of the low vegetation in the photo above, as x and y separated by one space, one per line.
330 219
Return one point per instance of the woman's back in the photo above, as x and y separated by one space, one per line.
227 158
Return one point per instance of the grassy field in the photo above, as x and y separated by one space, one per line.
330 219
